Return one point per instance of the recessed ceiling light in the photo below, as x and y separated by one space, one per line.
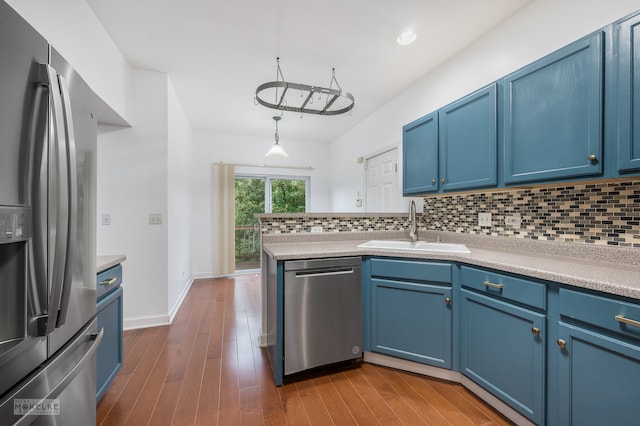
406 37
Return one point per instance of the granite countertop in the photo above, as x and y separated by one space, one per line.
105 262
614 270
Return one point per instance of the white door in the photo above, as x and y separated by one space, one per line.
381 179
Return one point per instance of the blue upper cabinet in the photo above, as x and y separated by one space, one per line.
468 141
628 95
454 148
553 126
420 156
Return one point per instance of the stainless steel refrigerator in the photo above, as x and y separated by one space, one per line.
48 331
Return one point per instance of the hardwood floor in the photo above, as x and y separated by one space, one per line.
207 369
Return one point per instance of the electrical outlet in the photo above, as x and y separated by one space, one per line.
106 219
484 219
316 229
514 221
155 218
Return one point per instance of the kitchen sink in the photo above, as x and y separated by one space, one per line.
417 246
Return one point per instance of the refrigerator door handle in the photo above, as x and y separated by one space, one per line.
58 226
72 192
97 338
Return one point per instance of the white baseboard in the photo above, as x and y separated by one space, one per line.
204 275
452 376
145 322
174 309
158 320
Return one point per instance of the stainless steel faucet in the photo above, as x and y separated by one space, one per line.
413 234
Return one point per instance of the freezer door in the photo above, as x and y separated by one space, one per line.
62 391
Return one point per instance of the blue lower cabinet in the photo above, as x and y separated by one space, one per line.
110 353
598 378
412 321
503 350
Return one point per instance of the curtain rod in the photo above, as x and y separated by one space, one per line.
268 166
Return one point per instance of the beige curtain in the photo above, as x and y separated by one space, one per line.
224 218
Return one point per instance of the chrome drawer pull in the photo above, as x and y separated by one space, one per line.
622 319
562 343
108 282
492 285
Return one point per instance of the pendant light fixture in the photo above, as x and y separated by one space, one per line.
276 150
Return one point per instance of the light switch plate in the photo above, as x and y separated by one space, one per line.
106 219
484 219
155 218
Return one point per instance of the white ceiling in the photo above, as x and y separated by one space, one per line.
217 52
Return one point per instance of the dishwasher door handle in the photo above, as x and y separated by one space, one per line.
325 273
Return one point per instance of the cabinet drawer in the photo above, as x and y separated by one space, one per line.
108 280
411 270
614 315
505 286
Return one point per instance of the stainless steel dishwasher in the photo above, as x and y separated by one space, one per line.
322 312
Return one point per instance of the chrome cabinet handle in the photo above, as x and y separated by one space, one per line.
592 157
622 319
433 181
447 300
442 180
108 282
492 285
562 343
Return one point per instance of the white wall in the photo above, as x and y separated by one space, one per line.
541 28
214 147
73 29
179 201
133 182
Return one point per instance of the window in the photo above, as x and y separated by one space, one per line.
263 194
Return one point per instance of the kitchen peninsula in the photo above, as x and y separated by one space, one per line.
547 311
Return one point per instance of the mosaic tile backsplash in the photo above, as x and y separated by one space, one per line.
605 213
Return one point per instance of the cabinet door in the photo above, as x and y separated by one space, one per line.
412 321
503 350
110 355
420 156
628 95
553 115
598 378
468 142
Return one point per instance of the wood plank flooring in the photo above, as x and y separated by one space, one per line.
208 369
